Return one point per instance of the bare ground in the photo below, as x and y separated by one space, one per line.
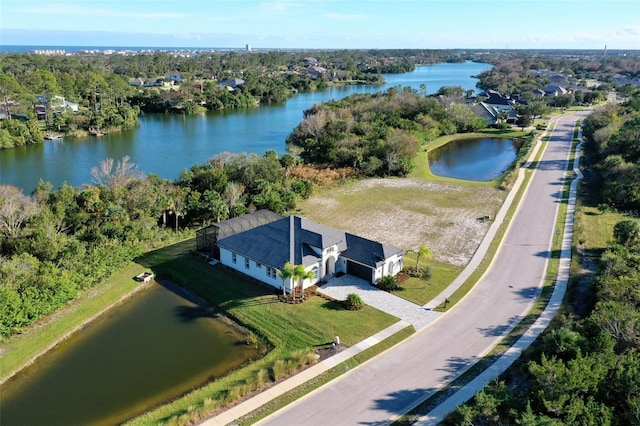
408 213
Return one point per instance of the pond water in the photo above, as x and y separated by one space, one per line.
154 347
478 159
167 144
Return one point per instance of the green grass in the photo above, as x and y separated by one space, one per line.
285 327
539 306
419 291
338 370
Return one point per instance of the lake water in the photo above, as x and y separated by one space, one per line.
167 144
478 159
151 349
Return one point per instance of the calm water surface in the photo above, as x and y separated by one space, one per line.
151 349
481 159
167 144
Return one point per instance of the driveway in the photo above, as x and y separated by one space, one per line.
394 382
338 288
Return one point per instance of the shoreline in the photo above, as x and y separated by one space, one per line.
75 329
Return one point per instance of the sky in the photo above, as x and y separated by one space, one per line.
318 24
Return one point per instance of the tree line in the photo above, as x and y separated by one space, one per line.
99 84
56 243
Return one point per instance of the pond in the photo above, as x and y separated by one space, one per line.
477 159
150 349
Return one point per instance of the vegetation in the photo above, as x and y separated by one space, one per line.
109 91
583 369
378 134
353 302
286 328
388 283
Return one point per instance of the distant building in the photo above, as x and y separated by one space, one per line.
175 76
231 83
248 48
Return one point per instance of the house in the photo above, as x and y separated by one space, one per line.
316 71
231 83
262 250
175 76
41 111
555 90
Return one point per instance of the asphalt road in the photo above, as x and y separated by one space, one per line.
389 385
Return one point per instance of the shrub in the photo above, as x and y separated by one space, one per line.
278 369
261 377
353 302
388 283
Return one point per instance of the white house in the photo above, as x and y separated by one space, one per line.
175 76
261 251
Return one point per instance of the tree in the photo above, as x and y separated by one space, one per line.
301 274
124 172
626 232
15 209
423 251
287 272
524 120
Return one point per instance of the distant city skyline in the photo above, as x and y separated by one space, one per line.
317 24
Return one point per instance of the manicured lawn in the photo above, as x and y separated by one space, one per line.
287 327
419 291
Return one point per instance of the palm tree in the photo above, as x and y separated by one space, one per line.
286 273
301 274
423 251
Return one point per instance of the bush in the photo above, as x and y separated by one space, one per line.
353 302
388 283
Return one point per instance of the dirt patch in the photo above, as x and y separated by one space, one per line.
408 213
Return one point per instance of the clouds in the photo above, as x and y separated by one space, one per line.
332 23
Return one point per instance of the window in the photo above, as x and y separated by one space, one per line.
258 265
271 272
233 257
246 263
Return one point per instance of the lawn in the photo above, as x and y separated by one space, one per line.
285 327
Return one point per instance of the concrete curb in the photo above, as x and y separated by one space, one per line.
555 302
480 253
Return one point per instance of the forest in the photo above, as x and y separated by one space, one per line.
585 369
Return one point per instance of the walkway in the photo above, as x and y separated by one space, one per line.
419 317
339 288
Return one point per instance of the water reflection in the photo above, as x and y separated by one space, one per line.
481 159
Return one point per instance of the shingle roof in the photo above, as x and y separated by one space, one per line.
292 239
368 252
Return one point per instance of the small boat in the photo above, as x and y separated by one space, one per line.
144 277
51 137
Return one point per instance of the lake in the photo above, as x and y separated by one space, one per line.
167 144
477 159
152 348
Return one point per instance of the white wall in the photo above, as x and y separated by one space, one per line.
259 273
395 261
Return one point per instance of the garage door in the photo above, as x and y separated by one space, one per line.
359 270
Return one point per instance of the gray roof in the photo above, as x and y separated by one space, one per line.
292 239
368 252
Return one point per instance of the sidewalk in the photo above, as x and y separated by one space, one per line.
419 322
490 235
262 398
513 353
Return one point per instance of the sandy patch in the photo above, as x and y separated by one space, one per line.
408 213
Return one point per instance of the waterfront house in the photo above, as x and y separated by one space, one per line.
259 245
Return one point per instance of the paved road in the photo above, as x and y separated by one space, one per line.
391 384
